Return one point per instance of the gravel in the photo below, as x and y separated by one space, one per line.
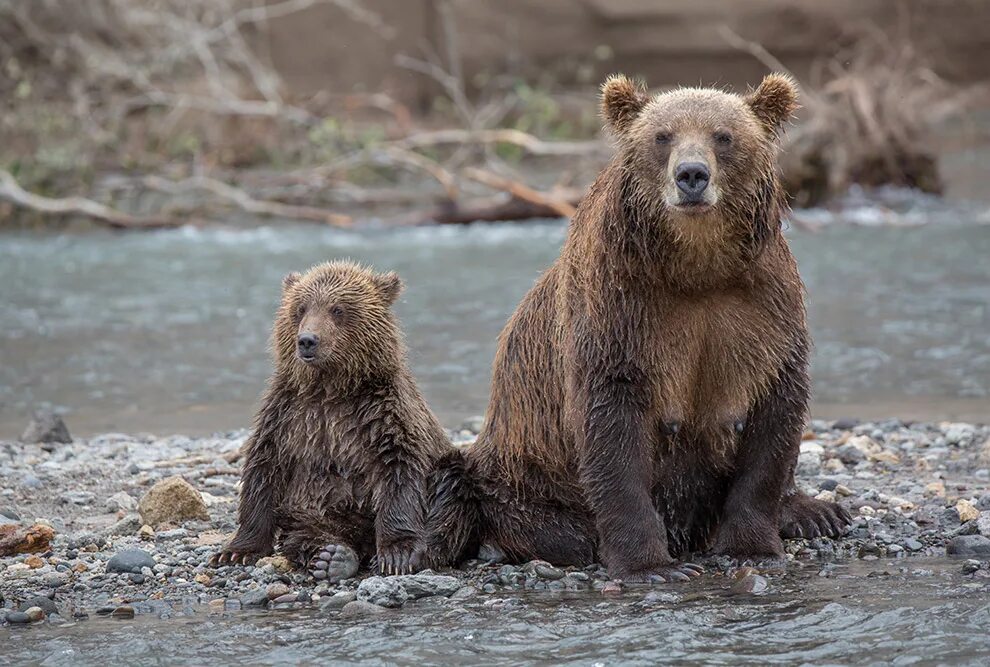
914 490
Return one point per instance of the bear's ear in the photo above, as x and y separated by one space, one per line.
774 101
622 100
290 280
390 285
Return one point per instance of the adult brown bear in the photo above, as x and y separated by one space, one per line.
650 391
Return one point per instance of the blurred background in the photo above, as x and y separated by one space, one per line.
164 162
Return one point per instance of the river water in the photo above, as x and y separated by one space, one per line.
905 612
166 332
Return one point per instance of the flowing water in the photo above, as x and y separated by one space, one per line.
167 331
906 612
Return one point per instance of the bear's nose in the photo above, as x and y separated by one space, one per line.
307 343
692 178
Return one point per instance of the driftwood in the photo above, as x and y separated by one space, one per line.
11 191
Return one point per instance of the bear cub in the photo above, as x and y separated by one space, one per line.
343 444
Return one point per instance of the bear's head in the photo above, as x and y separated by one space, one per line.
703 161
335 324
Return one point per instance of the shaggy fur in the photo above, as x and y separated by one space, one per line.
343 445
650 391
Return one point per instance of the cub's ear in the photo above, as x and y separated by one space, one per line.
390 285
622 100
290 280
774 101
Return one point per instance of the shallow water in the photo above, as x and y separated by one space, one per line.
167 331
901 612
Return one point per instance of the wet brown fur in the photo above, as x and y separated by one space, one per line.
650 391
342 446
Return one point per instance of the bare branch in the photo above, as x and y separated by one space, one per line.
11 191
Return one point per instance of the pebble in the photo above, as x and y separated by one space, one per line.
255 598
35 614
17 618
338 600
751 584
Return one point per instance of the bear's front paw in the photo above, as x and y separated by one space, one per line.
240 553
400 557
667 574
803 516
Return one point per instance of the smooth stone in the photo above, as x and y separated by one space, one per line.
969 545
18 618
130 561
123 612
751 584
41 601
338 600
255 598
35 613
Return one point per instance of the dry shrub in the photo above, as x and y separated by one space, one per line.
870 118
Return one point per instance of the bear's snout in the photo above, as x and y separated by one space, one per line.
692 180
306 345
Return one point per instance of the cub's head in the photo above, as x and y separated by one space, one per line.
335 321
699 155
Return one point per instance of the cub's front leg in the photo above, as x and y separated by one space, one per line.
399 489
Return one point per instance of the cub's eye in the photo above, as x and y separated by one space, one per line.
664 138
336 311
300 311
723 138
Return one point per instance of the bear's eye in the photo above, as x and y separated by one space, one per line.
723 138
301 310
664 138
337 310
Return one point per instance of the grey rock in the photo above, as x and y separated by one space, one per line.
969 545
338 600
382 591
42 602
17 618
464 593
46 427
257 597
983 523
359 608
548 572
9 514
130 561
428 585
128 525
122 501
912 544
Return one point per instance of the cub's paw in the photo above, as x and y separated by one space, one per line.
232 554
803 516
669 574
748 536
400 558
334 563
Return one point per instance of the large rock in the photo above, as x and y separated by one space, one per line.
130 561
396 591
172 501
46 427
969 545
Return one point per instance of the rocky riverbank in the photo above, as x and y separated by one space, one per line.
125 524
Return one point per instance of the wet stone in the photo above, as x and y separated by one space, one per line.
359 608
969 545
255 598
18 618
751 584
130 561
